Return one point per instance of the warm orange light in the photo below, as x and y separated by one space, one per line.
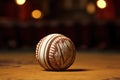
36 14
90 8
101 4
20 2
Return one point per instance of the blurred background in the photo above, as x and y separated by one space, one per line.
91 24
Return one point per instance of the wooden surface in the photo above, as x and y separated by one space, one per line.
87 66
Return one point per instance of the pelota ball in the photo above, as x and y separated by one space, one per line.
55 52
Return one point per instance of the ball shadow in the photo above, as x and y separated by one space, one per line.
77 70
71 70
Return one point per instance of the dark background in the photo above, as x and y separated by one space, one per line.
99 30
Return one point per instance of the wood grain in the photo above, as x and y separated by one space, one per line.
87 66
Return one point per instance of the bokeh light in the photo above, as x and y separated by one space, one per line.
36 14
91 8
101 4
20 2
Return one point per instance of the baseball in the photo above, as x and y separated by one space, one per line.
55 52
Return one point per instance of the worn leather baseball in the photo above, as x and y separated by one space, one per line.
55 52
